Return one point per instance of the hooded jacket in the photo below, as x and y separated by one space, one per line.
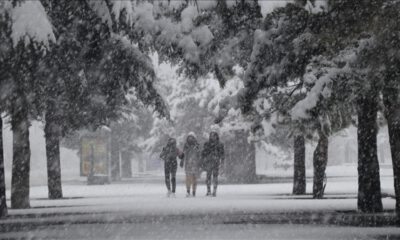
213 154
192 156
171 152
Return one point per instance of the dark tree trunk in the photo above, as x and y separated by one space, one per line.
126 164
369 188
21 158
320 160
52 133
299 177
230 161
392 111
3 204
251 163
115 163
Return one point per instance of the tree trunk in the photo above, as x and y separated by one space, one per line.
392 112
21 158
320 160
251 163
52 134
115 164
3 204
369 188
299 178
126 163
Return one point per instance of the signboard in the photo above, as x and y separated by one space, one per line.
95 158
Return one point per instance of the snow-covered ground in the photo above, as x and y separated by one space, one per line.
344 170
137 210
215 231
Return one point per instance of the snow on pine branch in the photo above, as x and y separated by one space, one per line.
151 20
171 5
118 6
104 12
30 22
166 33
316 6
143 60
266 6
322 72
5 7
320 89
184 34
125 63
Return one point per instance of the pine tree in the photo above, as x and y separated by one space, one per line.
288 39
90 50
383 59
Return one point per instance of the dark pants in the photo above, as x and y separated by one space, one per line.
170 174
212 172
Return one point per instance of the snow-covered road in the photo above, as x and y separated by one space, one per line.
142 211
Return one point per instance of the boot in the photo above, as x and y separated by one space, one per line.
208 191
214 194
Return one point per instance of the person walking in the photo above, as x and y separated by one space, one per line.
169 154
191 161
213 157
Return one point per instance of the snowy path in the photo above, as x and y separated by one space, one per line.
141 211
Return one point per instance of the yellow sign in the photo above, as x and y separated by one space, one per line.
94 156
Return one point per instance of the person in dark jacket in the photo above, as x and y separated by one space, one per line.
191 160
213 157
169 155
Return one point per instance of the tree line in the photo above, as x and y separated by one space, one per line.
311 67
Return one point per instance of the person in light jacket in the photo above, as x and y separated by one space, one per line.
191 161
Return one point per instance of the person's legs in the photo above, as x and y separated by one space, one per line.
215 180
194 184
167 172
173 175
208 181
188 182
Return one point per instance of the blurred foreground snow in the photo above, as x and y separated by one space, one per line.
137 210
